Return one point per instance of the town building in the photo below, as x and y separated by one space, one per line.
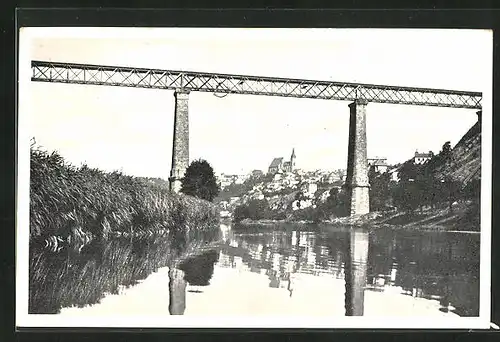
226 180
379 164
309 187
278 165
421 158
291 165
240 179
234 200
394 173
257 173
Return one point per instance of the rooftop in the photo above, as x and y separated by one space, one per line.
377 161
276 162
423 155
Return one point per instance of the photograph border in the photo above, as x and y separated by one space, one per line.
89 18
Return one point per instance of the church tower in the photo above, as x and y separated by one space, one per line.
292 160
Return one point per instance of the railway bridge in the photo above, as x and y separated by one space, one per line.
183 82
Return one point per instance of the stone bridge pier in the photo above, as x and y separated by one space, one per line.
180 149
357 184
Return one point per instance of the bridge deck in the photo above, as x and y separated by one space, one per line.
241 84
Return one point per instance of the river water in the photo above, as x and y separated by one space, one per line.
273 270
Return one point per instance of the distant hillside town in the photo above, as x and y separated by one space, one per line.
279 166
285 188
282 183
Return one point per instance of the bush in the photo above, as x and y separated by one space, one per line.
306 214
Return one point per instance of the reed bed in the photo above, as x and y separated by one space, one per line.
82 203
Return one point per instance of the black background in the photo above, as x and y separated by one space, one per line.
265 17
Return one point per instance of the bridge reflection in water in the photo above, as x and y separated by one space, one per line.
440 267
280 270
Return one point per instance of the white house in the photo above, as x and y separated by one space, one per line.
421 158
378 163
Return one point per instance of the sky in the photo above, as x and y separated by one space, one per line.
131 129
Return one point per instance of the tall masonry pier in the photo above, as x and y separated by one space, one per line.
357 162
180 149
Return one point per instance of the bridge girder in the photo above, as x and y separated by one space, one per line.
43 71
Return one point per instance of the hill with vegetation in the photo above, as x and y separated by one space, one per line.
442 193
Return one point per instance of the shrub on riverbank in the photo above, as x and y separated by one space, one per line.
82 203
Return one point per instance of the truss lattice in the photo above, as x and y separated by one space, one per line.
254 85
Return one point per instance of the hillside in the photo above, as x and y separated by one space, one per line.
284 192
464 167
465 164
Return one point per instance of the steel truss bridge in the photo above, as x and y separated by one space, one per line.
43 71
183 82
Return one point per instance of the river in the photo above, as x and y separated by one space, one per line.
272 270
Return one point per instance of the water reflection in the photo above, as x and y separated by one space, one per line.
439 266
289 267
84 274
177 292
196 270
355 272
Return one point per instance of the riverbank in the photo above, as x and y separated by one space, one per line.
80 204
463 217
104 230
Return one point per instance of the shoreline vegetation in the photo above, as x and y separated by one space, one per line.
87 224
80 204
463 217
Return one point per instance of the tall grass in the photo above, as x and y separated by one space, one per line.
114 230
82 203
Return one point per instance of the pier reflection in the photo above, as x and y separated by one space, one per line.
355 272
195 271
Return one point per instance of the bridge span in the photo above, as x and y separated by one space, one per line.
183 82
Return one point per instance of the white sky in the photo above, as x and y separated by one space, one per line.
131 129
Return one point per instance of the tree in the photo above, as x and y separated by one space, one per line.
408 171
451 191
254 209
199 181
379 189
257 209
446 151
240 213
337 204
472 191
299 196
